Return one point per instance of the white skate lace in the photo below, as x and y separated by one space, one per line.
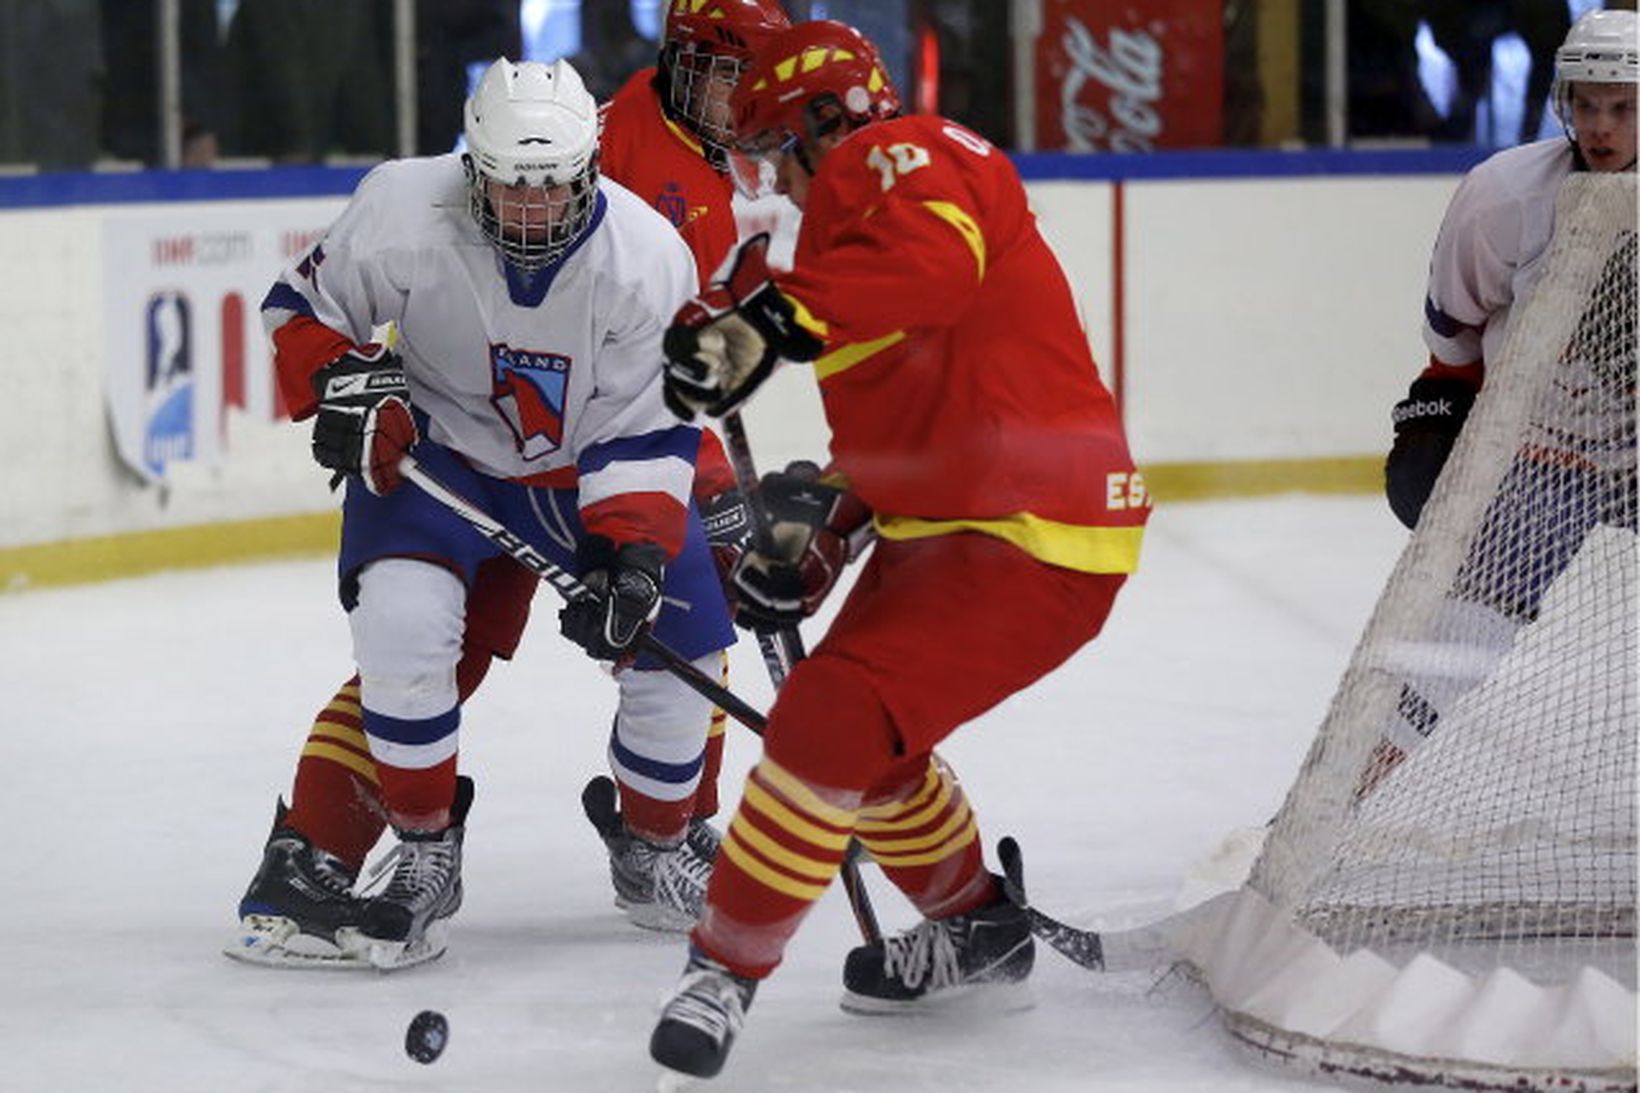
681 877
926 951
421 872
709 1000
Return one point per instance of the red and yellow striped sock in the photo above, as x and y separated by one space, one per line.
924 837
781 850
336 801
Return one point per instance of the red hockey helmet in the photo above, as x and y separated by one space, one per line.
807 82
705 47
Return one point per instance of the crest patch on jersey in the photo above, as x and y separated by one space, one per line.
673 204
530 388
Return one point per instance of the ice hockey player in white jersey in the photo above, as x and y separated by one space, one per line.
1490 250
527 297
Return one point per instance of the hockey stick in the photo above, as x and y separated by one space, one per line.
1111 951
783 649
569 586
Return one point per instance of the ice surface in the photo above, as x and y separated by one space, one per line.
149 725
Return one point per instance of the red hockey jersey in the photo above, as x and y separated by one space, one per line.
649 154
660 161
957 379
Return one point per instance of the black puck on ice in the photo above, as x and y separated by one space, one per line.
427 1036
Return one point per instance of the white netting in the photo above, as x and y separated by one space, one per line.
1470 797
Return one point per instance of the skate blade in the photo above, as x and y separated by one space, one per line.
674 1081
393 956
273 941
987 999
653 916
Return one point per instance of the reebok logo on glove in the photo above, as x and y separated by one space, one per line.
1411 411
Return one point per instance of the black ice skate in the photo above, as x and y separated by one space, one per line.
300 896
659 887
983 957
701 1018
704 839
406 923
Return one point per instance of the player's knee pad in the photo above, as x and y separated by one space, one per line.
407 628
830 726
660 731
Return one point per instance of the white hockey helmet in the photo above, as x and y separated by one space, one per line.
532 158
1601 47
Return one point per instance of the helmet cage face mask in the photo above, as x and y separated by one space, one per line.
530 224
532 160
1600 48
699 83
706 46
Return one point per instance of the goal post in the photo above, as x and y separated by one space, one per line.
1447 895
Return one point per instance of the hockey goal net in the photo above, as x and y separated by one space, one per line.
1447 896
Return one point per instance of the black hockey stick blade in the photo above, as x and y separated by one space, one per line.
1111 951
1082 946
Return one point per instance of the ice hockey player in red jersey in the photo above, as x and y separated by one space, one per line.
1491 247
665 137
971 433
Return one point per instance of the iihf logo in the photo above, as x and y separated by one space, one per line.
529 388
673 204
168 404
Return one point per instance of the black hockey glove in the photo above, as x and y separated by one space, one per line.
724 343
1427 423
728 527
363 425
813 531
626 596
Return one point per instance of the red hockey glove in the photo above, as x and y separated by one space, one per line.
1427 423
626 596
364 425
813 531
724 343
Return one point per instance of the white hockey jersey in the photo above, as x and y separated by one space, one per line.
553 378
1489 254
1491 247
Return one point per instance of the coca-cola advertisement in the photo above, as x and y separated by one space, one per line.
1129 77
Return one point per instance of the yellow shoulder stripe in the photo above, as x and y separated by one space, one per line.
684 135
960 220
